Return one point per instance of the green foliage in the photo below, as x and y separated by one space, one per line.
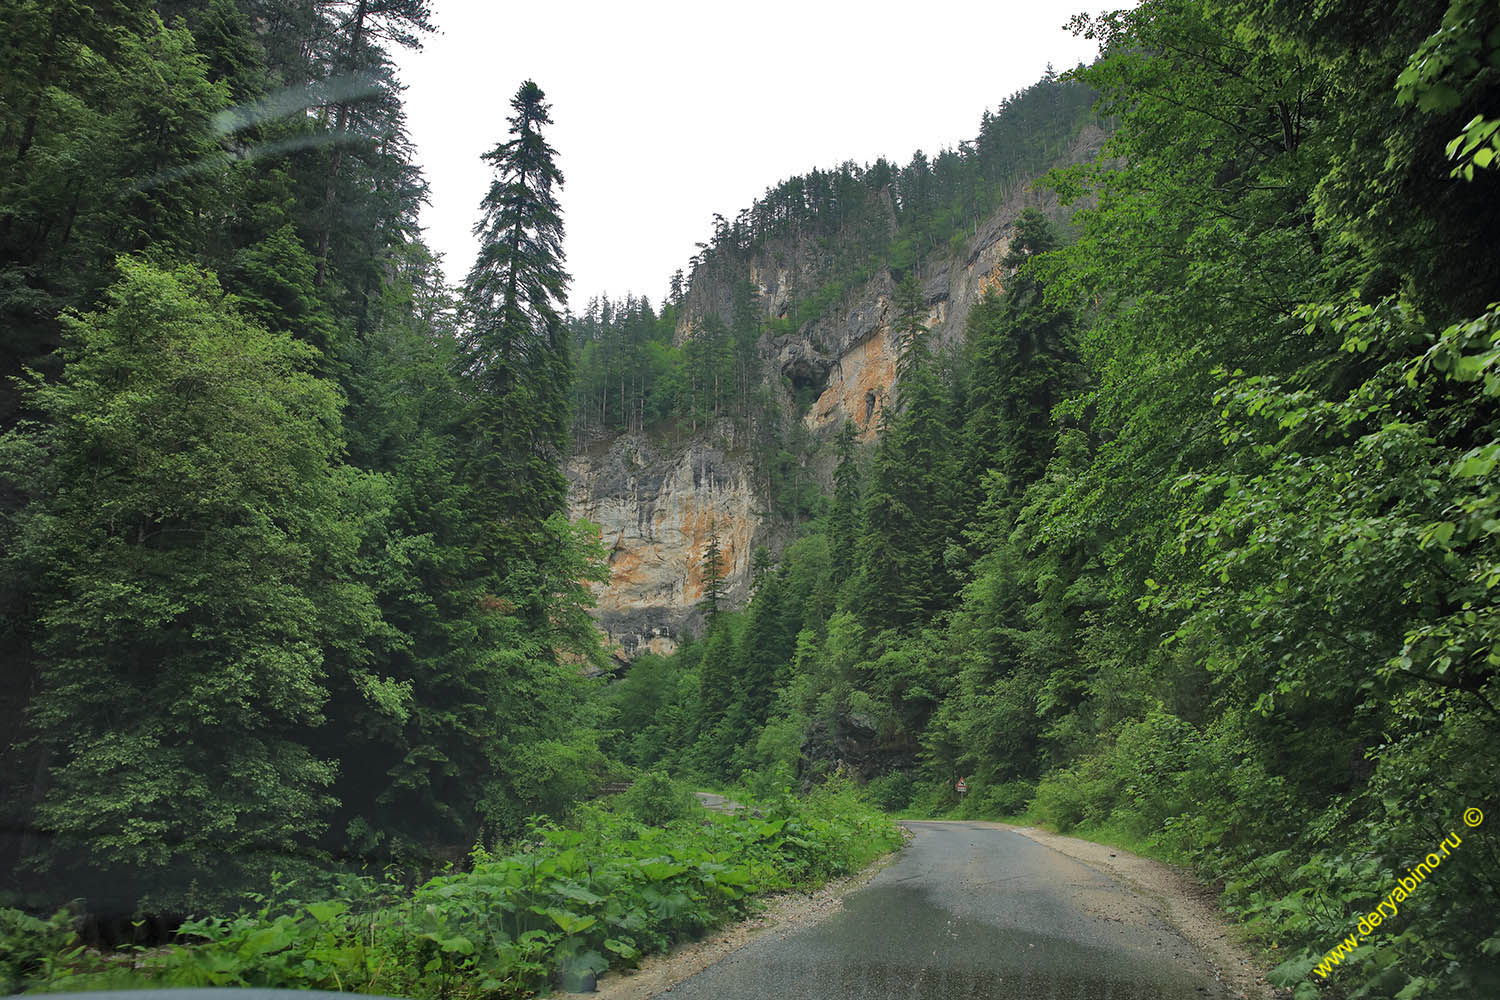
987 800
516 354
891 792
1023 363
910 505
656 800
699 360
188 450
247 588
712 573
1193 547
568 901
33 950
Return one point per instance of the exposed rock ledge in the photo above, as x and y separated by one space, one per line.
656 505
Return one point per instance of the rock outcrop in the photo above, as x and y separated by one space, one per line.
655 502
657 506
861 380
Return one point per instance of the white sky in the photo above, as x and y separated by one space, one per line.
667 112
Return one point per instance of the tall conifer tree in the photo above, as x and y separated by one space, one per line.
713 576
517 704
1023 361
909 505
516 351
843 518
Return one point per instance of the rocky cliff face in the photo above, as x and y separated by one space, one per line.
857 340
657 506
655 502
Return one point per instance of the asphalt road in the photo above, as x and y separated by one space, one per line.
969 911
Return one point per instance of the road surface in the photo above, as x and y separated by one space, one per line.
971 911
717 803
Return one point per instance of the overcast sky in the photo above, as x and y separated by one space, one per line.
668 112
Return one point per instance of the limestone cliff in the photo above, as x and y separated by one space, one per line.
655 501
656 506
862 374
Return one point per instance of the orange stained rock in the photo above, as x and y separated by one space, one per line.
864 374
697 526
991 280
625 574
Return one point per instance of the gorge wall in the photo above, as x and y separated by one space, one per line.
655 498
657 506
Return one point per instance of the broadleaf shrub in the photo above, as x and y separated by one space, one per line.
561 905
656 800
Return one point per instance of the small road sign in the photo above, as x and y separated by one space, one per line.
962 786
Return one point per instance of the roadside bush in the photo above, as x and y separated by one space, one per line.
565 903
891 792
1005 798
1149 774
656 800
771 785
929 800
1070 797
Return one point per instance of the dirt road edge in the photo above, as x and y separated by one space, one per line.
784 913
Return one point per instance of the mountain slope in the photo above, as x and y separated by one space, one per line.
819 292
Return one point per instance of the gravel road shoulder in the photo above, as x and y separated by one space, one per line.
1180 901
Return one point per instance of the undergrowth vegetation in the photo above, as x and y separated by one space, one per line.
555 907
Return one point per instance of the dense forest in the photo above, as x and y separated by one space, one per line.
286 576
1192 542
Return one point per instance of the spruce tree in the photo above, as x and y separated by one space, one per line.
843 518
350 45
1024 362
511 701
718 665
713 576
515 350
761 563
769 642
909 510
910 331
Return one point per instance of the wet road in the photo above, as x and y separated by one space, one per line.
969 911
